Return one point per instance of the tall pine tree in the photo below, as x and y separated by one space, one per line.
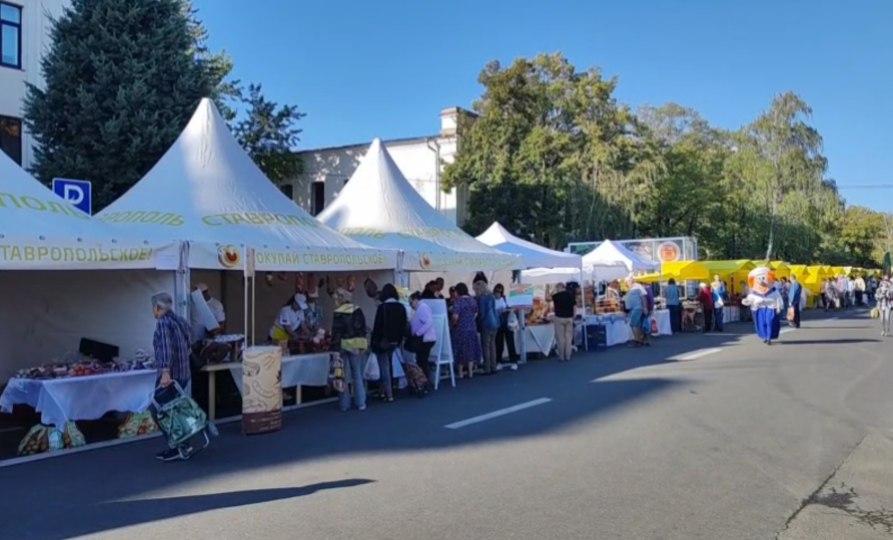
122 79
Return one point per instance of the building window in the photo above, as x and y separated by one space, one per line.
288 190
11 137
319 197
10 35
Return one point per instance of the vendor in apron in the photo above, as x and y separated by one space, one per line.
288 322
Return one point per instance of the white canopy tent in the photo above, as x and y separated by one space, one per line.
207 191
611 261
63 277
539 265
379 207
41 231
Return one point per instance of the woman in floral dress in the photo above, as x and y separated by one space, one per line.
466 343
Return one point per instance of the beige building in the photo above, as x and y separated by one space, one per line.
421 159
24 37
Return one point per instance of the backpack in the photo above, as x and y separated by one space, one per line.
357 324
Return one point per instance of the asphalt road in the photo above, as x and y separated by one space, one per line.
699 436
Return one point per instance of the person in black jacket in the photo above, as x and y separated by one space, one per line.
388 331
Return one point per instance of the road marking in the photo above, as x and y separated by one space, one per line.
696 354
496 414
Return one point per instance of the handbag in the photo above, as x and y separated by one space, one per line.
790 314
413 344
372 372
512 322
875 313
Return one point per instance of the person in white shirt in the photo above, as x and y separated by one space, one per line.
290 319
199 331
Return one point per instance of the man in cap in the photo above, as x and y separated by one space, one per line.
171 346
290 319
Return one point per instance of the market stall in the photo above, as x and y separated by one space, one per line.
733 272
252 246
610 261
539 266
73 288
380 208
67 276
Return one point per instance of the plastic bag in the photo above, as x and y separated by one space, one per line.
512 322
72 436
137 424
336 373
372 371
37 440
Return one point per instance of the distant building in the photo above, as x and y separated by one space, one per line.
421 159
24 38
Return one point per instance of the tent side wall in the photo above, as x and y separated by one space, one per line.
45 313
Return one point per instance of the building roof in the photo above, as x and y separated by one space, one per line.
388 142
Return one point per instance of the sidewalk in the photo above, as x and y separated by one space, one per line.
856 501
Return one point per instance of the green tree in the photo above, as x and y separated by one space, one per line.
778 161
122 79
690 197
863 237
552 155
269 134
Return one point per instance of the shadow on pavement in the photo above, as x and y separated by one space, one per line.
104 516
826 341
103 484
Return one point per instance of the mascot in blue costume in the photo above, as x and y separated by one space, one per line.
765 302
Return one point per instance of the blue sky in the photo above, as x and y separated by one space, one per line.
366 69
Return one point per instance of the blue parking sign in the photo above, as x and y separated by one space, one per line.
77 192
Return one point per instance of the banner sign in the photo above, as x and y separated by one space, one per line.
520 295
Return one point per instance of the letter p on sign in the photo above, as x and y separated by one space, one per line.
79 193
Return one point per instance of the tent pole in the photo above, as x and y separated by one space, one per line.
245 294
253 308
583 294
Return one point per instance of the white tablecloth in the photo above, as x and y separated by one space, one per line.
540 338
662 318
297 370
617 328
81 398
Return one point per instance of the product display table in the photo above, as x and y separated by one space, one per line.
81 398
617 329
297 370
539 338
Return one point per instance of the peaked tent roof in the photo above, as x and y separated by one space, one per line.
380 208
532 255
41 231
208 191
609 253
